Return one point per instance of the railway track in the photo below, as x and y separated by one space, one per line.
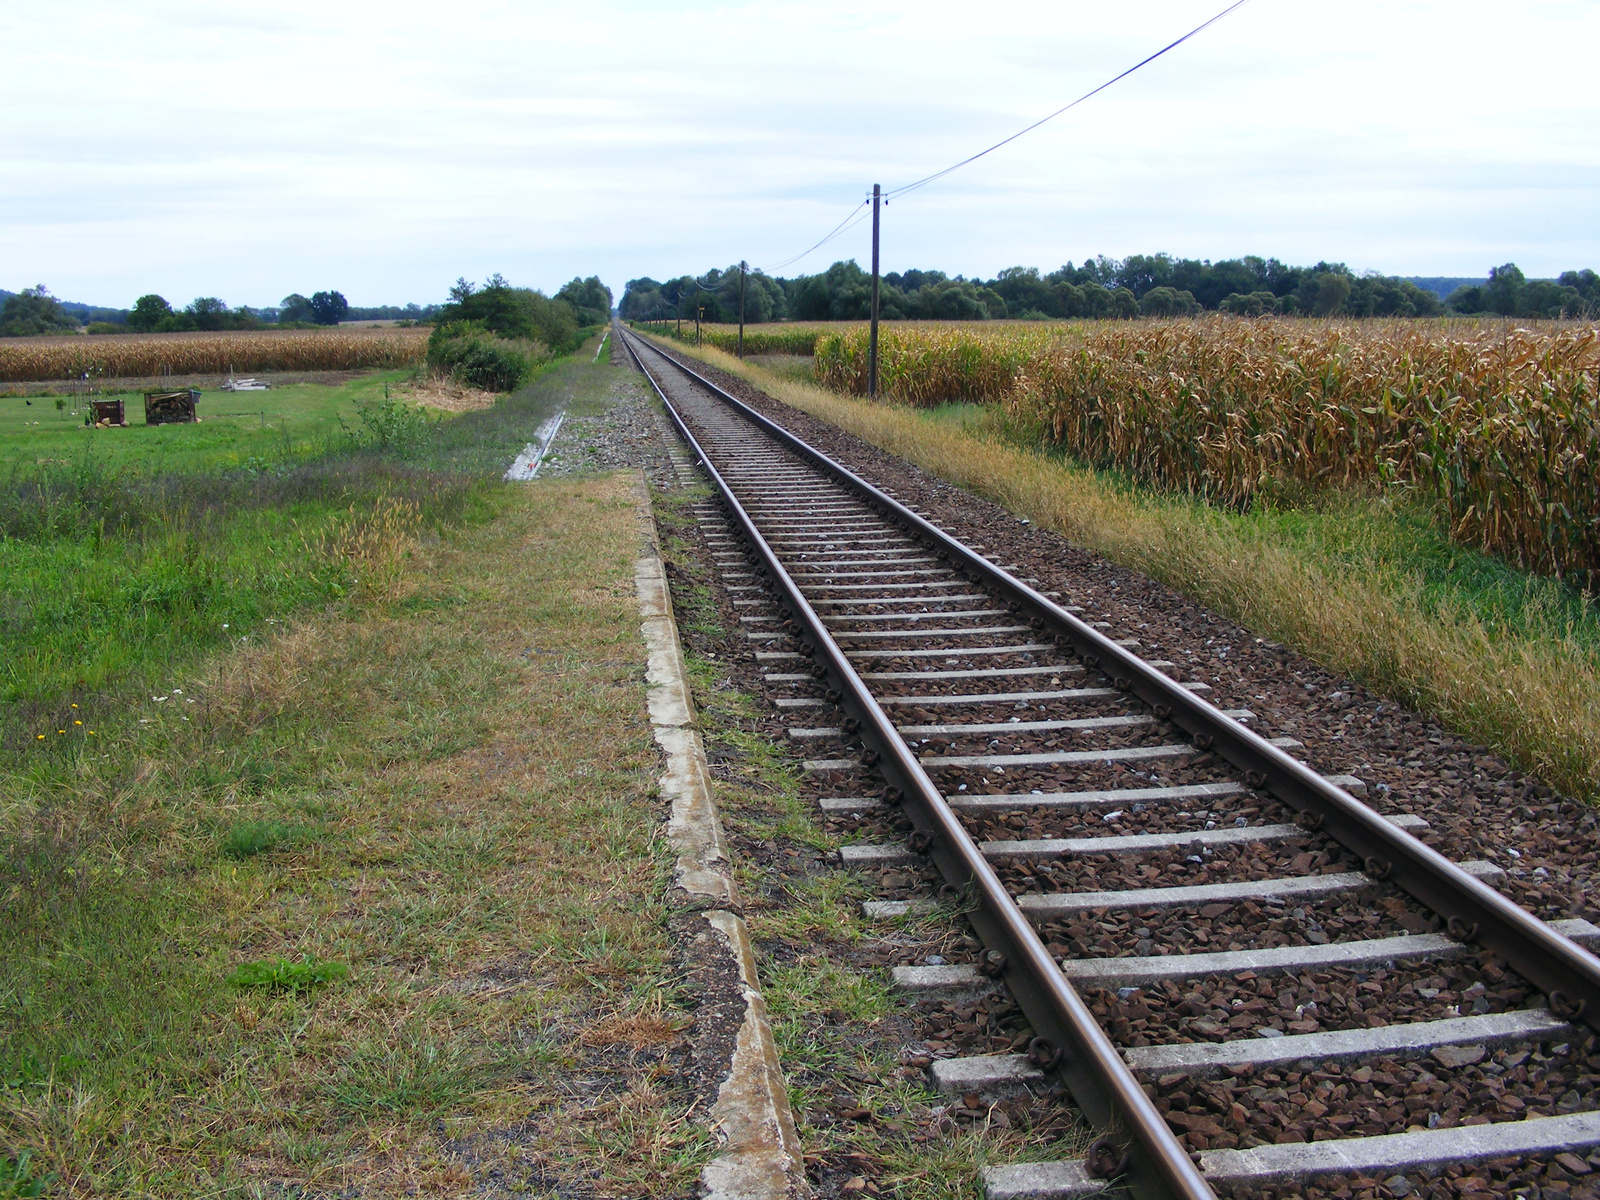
1267 985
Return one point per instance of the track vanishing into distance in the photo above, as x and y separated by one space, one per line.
981 737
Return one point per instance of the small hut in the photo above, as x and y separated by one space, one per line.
168 408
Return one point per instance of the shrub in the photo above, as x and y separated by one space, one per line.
103 327
473 355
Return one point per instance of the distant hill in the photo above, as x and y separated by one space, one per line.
1441 285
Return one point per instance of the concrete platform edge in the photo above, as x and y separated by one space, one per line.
760 1156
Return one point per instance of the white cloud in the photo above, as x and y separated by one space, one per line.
385 149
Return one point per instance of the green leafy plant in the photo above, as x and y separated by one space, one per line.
299 976
390 424
18 1178
257 837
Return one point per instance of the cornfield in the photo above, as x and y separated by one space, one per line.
149 355
935 364
1500 423
758 339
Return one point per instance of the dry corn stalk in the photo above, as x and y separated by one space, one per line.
149 355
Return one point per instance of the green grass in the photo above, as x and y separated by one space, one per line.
236 429
444 782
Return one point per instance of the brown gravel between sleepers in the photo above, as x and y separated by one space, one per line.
1222 1008
1454 1086
1558 1177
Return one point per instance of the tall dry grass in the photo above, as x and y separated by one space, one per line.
1533 695
119 356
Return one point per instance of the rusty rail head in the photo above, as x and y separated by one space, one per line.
1473 911
1069 1040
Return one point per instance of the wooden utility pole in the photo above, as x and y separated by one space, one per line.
742 269
698 313
872 342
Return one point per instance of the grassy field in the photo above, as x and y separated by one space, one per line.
235 428
340 895
1370 584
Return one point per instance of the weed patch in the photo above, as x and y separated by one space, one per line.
287 976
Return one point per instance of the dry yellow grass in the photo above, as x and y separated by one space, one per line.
154 354
1534 697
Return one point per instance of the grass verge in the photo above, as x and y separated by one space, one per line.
371 905
1367 586
362 896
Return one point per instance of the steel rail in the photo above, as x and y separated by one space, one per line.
1568 974
1068 1039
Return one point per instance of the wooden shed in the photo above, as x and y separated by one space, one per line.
168 408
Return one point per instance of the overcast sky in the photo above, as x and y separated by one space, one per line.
384 149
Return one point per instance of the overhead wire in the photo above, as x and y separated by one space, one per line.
838 229
927 179
903 189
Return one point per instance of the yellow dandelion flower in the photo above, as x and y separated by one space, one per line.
41 737
74 706
77 722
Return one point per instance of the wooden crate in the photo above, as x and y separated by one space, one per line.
110 411
168 408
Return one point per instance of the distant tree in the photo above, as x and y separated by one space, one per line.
642 300
1022 289
589 298
209 313
1504 289
1096 300
841 293
35 311
1168 302
328 308
1250 304
512 312
148 312
295 307
1324 293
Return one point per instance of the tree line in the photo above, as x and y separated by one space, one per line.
34 311
1153 285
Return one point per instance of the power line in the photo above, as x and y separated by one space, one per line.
837 230
859 216
923 182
